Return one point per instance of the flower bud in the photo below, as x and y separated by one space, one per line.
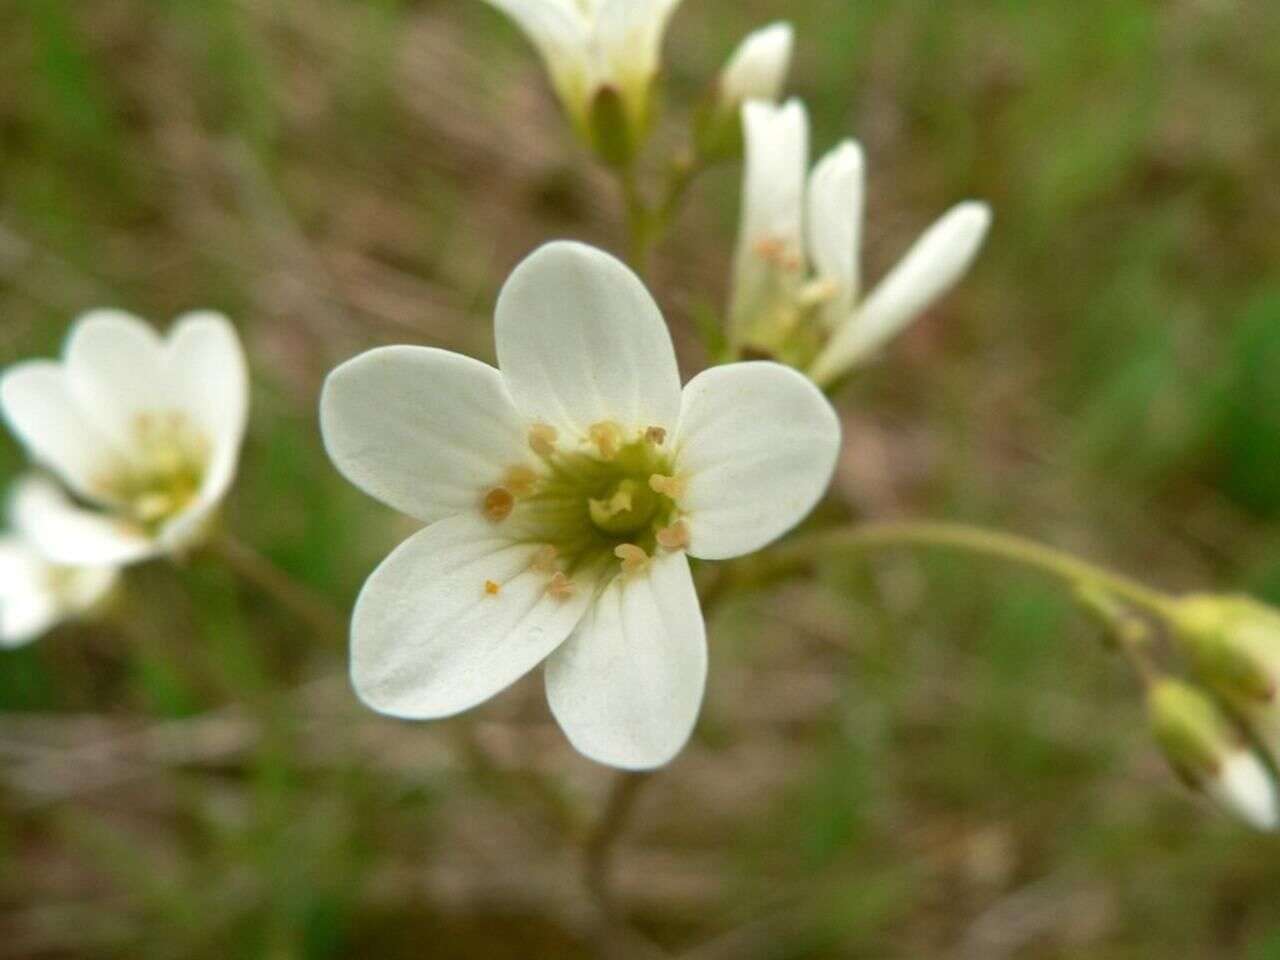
1208 753
758 68
755 71
1233 643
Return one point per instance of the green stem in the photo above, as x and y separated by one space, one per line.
311 608
639 220
1057 563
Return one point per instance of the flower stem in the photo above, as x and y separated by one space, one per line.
305 604
639 219
1057 563
598 851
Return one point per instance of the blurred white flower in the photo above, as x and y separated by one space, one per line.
758 68
796 275
35 594
594 45
145 432
563 493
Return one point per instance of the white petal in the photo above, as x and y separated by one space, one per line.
756 447
428 640
424 430
41 410
629 35
209 379
115 368
27 606
758 68
1244 787
68 534
562 36
777 154
930 268
627 686
580 341
834 226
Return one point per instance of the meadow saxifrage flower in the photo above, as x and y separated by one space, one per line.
144 432
596 51
36 594
796 289
564 492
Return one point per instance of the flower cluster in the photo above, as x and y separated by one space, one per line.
142 436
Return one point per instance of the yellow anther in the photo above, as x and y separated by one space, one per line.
633 558
520 480
673 537
545 559
560 587
672 487
776 252
491 589
542 439
817 292
607 436
656 435
152 506
497 505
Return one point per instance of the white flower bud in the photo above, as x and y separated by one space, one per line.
758 68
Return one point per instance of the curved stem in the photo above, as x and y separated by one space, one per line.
309 607
1028 553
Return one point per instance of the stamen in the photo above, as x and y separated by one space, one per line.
544 560
560 587
656 436
816 292
775 251
520 480
672 487
673 537
607 436
542 439
498 504
491 589
633 558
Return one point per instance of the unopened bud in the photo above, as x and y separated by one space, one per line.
1233 643
755 71
1208 753
758 68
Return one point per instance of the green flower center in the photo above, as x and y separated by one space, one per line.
163 473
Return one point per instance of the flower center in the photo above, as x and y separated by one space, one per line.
609 502
164 471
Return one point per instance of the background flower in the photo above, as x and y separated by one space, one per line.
35 594
145 430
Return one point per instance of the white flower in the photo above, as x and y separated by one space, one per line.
563 493
796 276
590 45
35 594
758 68
145 431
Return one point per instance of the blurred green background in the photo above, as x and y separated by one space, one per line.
914 756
